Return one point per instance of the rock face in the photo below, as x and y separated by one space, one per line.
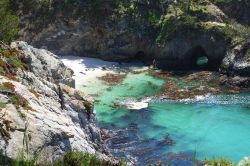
172 56
238 10
57 119
237 60
80 38
117 44
76 35
45 64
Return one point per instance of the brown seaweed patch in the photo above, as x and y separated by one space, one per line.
195 84
112 79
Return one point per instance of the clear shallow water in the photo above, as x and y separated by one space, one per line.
215 126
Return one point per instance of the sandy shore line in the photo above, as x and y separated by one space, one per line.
87 70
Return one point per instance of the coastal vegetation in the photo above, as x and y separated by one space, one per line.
73 158
12 61
163 20
159 20
9 25
76 158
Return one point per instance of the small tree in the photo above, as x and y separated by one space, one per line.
8 22
188 5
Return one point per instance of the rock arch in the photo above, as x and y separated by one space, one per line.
197 54
140 55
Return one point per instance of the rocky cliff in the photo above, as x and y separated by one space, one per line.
235 9
40 109
204 29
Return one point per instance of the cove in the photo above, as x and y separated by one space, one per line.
172 131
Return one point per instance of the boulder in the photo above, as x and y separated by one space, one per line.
237 60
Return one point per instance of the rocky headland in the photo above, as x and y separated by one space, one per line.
40 109
205 30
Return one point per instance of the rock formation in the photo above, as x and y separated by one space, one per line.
76 34
40 110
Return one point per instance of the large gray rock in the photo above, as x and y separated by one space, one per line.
237 60
59 118
45 64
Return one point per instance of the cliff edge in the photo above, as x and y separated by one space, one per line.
39 108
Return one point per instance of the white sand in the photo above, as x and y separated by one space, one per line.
86 70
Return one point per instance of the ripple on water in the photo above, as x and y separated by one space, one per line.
208 125
231 99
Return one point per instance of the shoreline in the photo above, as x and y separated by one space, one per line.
92 71
87 70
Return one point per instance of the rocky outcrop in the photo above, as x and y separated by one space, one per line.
45 65
238 10
42 111
76 35
237 60
182 53
117 44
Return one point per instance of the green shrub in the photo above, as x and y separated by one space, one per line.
11 61
1 70
184 25
84 159
160 20
223 2
219 162
9 22
2 105
72 158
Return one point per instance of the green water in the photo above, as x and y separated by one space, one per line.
172 131
134 86
202 61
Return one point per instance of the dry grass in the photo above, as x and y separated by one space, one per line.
34 92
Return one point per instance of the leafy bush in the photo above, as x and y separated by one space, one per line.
230 31
161 20
9 22
2 105
11 61
183 25
223 2
73 158
219 162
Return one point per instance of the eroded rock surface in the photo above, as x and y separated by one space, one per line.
43 111
78 34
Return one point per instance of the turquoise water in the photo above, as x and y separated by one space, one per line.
172 131
213 130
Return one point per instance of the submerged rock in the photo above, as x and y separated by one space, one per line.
245 161
236 81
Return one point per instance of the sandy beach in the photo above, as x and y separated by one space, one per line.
87 70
